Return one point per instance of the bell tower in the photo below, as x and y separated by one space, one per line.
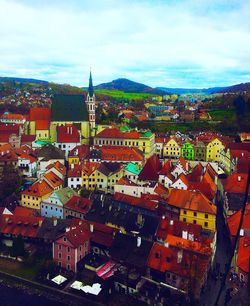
90 101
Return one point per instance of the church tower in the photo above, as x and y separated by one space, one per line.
90 101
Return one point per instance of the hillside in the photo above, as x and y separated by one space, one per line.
180 91
237 88
22 80
126 85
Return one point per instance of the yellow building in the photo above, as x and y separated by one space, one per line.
194 208
101 176
214 149
112 136
172 148
33 195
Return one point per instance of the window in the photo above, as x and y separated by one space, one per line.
59 255
59 247
206 216
206 224
184 220
194 221
64 239
195 213
68 257
68 267
68 249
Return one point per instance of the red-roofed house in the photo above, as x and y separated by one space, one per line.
39 122
72 246
75 176
242 255
27 163
193 207
77 207
68 137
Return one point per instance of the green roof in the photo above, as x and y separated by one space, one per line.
69 108
125 128
147 134
133 168
42 142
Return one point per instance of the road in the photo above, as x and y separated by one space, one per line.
223 251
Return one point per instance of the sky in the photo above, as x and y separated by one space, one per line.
170 43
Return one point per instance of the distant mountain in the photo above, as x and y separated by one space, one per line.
129 86
22 80
181 91
237 88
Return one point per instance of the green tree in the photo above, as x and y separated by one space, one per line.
12 181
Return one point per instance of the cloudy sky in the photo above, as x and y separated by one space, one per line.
172 43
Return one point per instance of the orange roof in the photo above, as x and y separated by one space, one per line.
38 189
53 179
90 167
189 245
29 157
125 181
13 116
141 202
58 166
191 200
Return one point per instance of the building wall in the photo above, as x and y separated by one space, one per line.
171 149
50 210
207 221
42 135
213 150
33 201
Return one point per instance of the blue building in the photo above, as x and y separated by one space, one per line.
53 205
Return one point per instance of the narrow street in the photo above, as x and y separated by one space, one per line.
223 251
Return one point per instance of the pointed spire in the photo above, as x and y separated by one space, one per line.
91 88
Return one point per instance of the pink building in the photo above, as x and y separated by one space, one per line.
72 246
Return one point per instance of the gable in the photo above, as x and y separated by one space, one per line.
69 108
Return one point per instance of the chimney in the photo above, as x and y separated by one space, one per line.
171 222
7 219
72 166
91 228
179 256
138 242
166 244
239 178
54 222
67 129
40 222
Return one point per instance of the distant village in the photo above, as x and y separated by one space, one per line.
122 210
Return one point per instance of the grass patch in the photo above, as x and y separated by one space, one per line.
118 94
18 268
221 114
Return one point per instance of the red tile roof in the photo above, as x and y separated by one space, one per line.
81 151
40 113
150 171
191 200
236 183
115 133
176 228
68 134
234 220
119 153
78 233
20 224
141 202
90 167
75 171
42 124
166 169
243 254
27 138
79 204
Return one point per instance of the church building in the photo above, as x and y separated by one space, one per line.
68 110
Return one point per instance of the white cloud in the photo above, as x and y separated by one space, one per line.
181 43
